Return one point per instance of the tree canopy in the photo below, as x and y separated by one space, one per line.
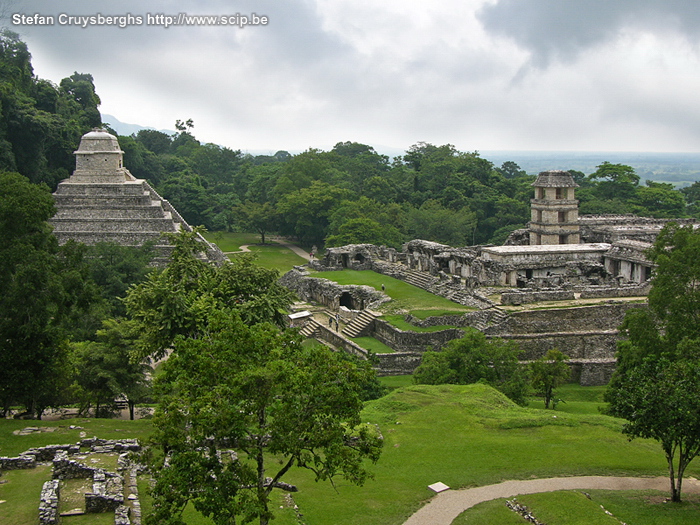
656 385
239 395
472 359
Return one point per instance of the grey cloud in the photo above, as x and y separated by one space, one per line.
561 30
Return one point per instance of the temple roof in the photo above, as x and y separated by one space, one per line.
555 179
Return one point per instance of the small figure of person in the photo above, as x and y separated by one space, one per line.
383 287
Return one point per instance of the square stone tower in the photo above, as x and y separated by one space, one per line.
554 209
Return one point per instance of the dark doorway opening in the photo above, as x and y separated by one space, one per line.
347 301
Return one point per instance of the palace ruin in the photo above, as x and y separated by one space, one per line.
597 263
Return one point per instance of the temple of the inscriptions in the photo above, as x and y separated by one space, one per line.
103 202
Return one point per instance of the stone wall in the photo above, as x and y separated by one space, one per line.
48 503
594 292
107 492
397 363
575 345
574 319
334 339
527 296
404 341
331 294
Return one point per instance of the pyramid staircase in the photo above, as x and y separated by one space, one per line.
129 213
355 327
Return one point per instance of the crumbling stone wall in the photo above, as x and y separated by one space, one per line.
331 294
48 503
403 341
107 492
397 363
527 296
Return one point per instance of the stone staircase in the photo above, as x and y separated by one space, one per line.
496 316
419 279
310 328
355 327
129 213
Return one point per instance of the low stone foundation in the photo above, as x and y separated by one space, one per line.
48 505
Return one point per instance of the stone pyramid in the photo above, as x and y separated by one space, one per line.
103 202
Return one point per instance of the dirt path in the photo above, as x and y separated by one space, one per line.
243 249
301 253
446 506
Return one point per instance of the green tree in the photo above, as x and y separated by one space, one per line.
660 399
104 371
30 303
259 392
178 300
364 230
305 212
549 372
656 384
434 222
474 358
261 218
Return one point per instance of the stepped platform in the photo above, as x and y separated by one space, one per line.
103 202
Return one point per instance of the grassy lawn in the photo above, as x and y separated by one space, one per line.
404 296
462 435
373 345
11 445
21 495
470 436
394 382
575 399
231 242
270 255
572 507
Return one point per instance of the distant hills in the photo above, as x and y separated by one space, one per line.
680 169
127 129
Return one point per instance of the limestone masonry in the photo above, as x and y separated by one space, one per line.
559 257
103 202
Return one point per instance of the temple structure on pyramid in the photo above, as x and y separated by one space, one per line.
103 202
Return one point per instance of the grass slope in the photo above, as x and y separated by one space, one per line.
404 296
270 255
470 436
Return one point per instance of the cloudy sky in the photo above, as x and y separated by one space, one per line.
574 75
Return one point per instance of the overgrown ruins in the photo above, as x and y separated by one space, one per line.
103 202
593 267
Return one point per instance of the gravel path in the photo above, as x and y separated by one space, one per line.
446 506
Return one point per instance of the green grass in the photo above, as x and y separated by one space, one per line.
11 445
462 435
576 399
404 296
231 242
394 382
373 345
21 494
270 255
470 436
276 257
572 507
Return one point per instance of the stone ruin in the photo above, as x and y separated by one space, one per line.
103 202
559 257
108 488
